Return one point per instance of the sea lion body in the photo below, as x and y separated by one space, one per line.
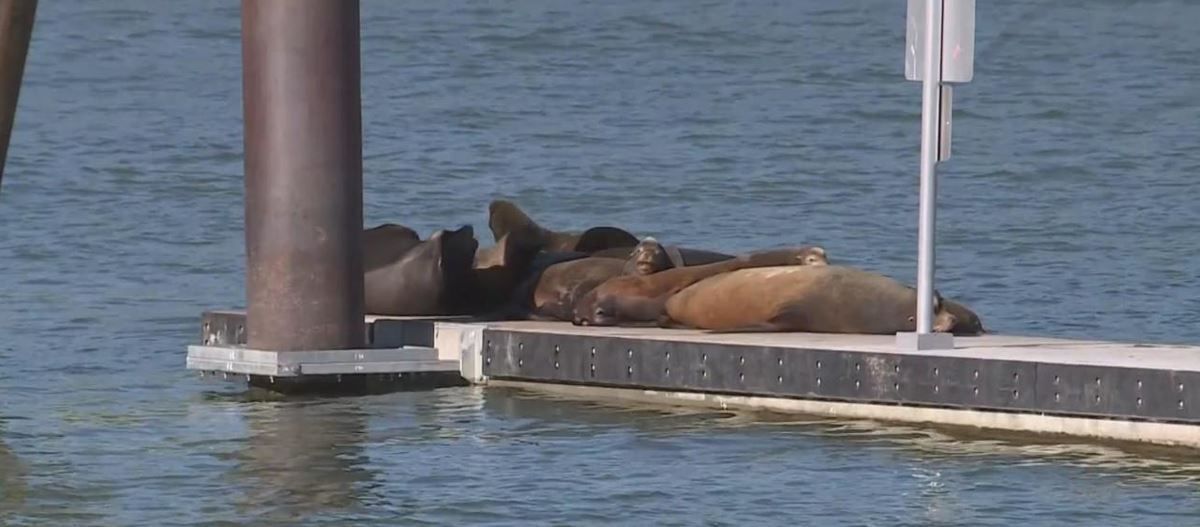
386 243
431 277
639 299
817 299
561 284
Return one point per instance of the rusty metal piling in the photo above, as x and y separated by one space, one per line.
303 204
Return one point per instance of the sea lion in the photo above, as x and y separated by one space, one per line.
655 254
385 243
816 299
505 216
967 323
432 277
498 274
563 284
638 299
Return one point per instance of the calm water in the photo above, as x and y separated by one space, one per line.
1069 209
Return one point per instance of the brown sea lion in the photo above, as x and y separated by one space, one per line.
638 299
505 216
562 284
433 277
816 299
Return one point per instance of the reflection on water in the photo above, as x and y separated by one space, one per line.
1133 463
14 485
302 458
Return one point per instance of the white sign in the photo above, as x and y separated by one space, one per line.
958 41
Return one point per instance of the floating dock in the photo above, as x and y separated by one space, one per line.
1108 390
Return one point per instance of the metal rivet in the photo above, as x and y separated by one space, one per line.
741 376
1016 394
976 392
487 360
1097 381
1181 387
1139 401
556 365
897 368
896 386
629 370
935 372
781 381
1057 396
520 362
703 357
857 366
704 373
1181 404
818 365
818 381
1055 379
520 345
1016 377
857 385
1097 398
976 374
556 348
667 372
667 354
593 351
741 360
936 389
629 353
780 361
1139 384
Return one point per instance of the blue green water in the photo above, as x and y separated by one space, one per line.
1068 209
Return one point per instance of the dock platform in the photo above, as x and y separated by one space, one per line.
1109 390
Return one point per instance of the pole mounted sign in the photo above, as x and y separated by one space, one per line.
939 49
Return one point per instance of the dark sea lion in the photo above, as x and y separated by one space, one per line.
638 299
816 299
505 216
499 273
652 252
967 323
433 277
386 243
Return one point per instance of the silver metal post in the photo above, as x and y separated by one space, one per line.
930 115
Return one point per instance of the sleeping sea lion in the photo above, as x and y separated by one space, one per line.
816 299
431 277
505 216
649 250
639 300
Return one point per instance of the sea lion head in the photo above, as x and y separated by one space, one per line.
813 255
595 309
943 320
649 257
967 323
